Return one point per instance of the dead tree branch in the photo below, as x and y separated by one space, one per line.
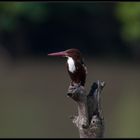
90 120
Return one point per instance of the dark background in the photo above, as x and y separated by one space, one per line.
33 86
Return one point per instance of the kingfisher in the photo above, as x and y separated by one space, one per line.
76 67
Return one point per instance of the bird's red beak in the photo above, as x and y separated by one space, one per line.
63 54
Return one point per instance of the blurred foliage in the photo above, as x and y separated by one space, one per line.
10 12
128 13
97 28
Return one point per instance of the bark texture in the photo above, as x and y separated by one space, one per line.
90 120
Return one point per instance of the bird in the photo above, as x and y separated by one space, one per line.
75 65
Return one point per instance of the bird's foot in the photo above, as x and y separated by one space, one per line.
75 86
71 90
75 89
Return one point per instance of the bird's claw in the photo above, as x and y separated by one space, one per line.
74 89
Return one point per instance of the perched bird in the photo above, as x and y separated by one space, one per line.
75 65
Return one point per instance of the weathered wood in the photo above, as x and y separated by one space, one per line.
90 120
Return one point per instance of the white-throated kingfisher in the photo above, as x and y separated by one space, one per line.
75 65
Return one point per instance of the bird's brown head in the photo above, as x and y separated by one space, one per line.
74 53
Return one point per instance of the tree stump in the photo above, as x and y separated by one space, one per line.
90 120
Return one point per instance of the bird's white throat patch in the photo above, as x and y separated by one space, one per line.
71 64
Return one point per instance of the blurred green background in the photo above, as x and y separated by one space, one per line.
33 86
